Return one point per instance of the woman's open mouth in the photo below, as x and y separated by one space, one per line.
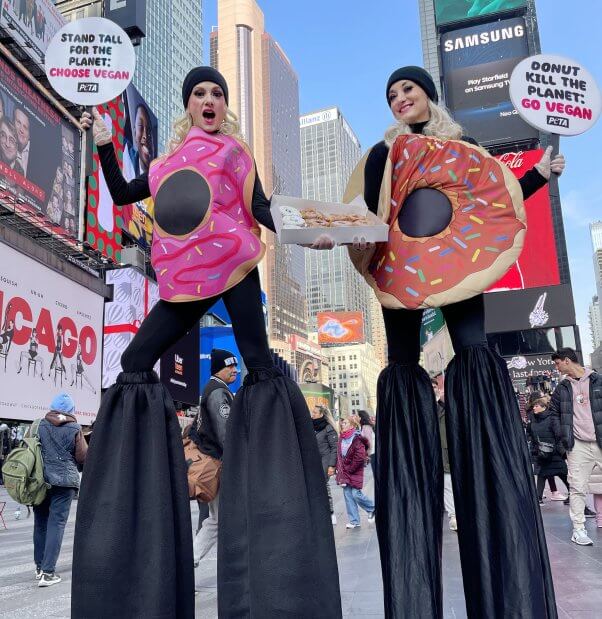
209 116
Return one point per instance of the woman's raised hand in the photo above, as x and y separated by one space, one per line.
100 132
548 165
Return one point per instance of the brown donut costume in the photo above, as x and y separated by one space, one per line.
483 239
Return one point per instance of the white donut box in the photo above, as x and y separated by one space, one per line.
374 232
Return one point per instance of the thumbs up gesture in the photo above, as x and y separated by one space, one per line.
100 131
548 165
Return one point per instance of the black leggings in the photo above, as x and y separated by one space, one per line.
465 322
541 482
167 322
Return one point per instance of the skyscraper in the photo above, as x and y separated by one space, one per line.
595 229
163 57
329 153
264 93
595 322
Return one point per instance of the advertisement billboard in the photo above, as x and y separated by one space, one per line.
340 328
50 338
141 134
31 24
477 63
316 394
180 369
449 11
532 308
39 156
104 221
526 368
538 264
432 323
134 295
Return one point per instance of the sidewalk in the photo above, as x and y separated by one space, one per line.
577 570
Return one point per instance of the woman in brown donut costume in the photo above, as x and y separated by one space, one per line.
133 541
456 223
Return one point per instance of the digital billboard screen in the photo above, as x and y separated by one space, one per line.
537 264
340 327
39 156
449 11
477 63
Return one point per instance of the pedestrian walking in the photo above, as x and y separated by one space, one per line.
577 404
351 459
448 493
63 453
328 438
208 432
546 446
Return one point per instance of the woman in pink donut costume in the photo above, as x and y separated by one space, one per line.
133 539
456 224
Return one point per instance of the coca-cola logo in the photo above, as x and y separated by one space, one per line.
512 160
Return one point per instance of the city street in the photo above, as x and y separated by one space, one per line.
576 569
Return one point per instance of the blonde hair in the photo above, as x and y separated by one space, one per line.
183 124
352 420
440 125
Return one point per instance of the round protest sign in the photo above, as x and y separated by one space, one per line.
555 94
90 61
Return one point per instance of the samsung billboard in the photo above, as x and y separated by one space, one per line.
477 63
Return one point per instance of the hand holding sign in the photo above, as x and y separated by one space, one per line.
546 165
100 131
90 61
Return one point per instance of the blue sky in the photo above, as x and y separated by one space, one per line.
344 51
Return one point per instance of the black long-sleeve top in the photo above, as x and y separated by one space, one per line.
128 192
375 168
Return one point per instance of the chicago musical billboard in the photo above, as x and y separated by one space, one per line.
50 339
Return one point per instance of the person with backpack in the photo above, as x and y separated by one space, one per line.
64 452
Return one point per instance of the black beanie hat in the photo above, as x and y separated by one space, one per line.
221 359
417 75
202 74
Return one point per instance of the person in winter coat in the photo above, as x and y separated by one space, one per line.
577 404
351 459
546 446
367 430
64 451
327 438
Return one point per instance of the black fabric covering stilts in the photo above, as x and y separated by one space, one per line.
505 564
276 553
133 516
409 493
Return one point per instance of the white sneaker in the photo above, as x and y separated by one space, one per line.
47 580
349 525
333 518
453 523
581 537
556 496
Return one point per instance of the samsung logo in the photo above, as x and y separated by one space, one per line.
484 38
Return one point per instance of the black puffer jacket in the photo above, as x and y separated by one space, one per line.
545 428
327 446
562 407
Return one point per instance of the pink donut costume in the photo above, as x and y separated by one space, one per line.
205 238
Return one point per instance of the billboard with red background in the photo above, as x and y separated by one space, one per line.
538 263
340 327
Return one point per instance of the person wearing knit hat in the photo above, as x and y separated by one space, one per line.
221 359
208 207
503 550
64 451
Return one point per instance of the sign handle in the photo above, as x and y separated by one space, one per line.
554 142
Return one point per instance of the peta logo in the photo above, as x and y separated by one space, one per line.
557 121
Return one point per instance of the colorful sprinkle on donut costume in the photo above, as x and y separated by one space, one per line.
205 238
483 238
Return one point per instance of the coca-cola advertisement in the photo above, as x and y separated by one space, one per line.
50 340
538 263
